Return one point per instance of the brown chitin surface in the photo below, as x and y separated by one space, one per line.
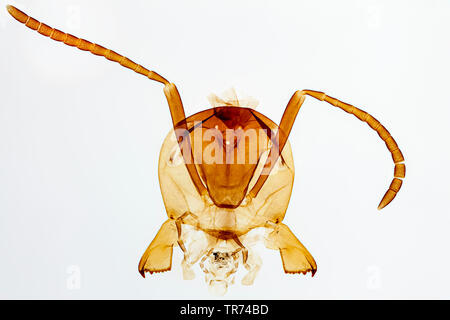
227 143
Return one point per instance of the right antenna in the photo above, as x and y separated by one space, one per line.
287 121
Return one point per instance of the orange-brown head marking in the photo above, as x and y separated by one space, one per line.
227 143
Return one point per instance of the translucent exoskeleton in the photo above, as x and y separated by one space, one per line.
226 176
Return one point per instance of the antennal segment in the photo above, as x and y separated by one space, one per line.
82 44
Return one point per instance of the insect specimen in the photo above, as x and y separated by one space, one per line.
226 177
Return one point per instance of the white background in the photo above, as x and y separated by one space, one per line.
80 137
